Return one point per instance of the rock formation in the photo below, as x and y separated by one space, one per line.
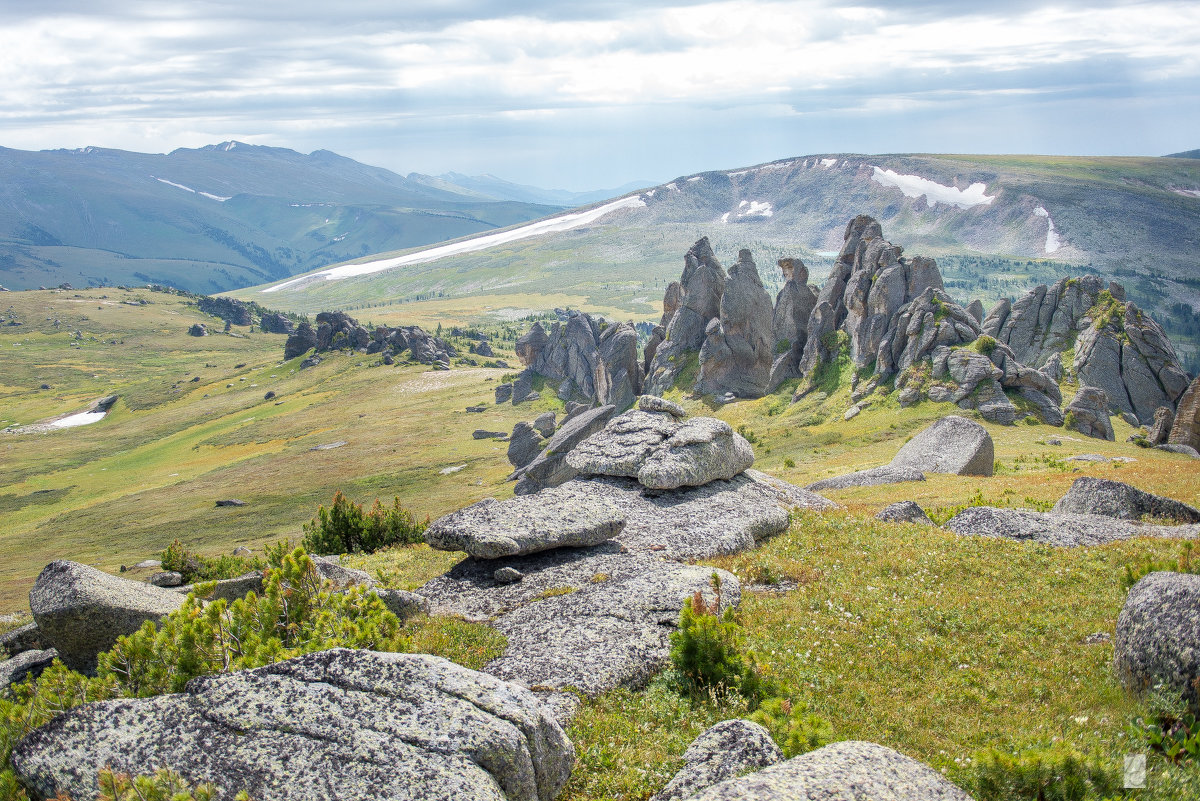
1088 413
1185 430
340 331
951 445
739 345
1160 431
698 303
587 358
275 323
228 309
1045 320
793 307
300 341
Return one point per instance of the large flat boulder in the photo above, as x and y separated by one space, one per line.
335 724
553 518
1101 496
81 611
951 445
1158 634
1051 528
592 619
723 751
846 771
887 474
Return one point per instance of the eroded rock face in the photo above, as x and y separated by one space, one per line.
697 302
928 321
550 468
845 770
300 341
1160 432
794 305
1186 428
81 611
1158 634
599 359
1044 320
726 750
436 731
739 345
1100 496
951 445
275 323
1064 530
1088 412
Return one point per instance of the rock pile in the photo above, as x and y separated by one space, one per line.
588 358
228 309
340 331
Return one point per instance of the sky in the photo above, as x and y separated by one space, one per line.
592 94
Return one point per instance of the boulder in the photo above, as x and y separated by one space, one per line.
739 344
1160 431
342 578
661 452
522 387
951 445
1087 413
550 468
1184 450
1100 496
23 665
526 524
198 330
975 309
844 771
590 619
275 323
300 341
904 512
401 603
524 444
504 392
1158 634
726 750
229 589
167 578
483 433
81 611
653 403
21 639
887 474
1064 530
544 424
430 730
230 502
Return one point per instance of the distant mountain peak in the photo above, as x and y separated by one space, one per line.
1187 154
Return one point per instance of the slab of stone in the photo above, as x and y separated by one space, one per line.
845 771
550 468
588 618
653 403
726 750
81 611
552 518
1158 634
25 664
951 445
904 512
1100 496
887 474
1065 530
335 724
24 638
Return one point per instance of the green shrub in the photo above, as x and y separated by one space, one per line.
194 567
789 463
345 528
163 785
793 727
985 345
748 434
1042 774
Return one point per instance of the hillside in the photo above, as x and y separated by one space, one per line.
216 217
997 225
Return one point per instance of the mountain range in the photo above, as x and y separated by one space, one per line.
229 215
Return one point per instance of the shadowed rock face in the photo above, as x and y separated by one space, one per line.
1185 430
1158 634
429 730
793 307
739 346
691 308
1044 320
1089 413
597 359
1100 496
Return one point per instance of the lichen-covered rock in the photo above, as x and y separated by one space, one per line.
21 639
553 518
81 611
425 729
845 771
402 603
929 321
740 345
544 424
887 474
550 468
697 302
1101 496
1158 634
653 403
951 445
726 750
524 444
1186 428
1160 431
1064 530
904 512
1044 320
23 665
1087 413
340 577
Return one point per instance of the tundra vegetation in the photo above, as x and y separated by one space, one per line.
976 656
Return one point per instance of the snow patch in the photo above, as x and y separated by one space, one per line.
650 192
693 180
1053 241
81 419
739 172
756 209
563 222
341 237
229 146
1187 192
828 162
915 186
725 217
189 189
672 187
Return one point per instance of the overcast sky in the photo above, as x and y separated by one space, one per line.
583 94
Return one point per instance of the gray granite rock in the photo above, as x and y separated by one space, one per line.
697 301
1065 530
335 724
1158 634
25 664
1088 413
653 403
739 346
229 589
401 603
726 750
341 577
507 575
23 638
167 578
544 424
550 468
887 474
81 611
1185 450
1160 431
504 392
951 445
904 512
1101 496
592 619
845 771
524 445
553 518
483 433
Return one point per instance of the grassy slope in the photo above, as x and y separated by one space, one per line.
930 643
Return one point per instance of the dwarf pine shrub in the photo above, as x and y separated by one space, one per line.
162 785
1042 774
345 528
194 567
792 726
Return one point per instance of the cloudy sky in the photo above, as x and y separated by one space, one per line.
583 94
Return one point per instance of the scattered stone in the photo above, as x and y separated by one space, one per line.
554 518
726 750
311 361
242 550
507 575
1157 634
544 424
852 412
148 564
233 501
504 392
281 732
482 433
167 578
840 772
81 611
1088 413
951 445
269 396
1101 496
1064 530
24 665
476 409
1087 457
198 330
888 474
904 512
328 446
